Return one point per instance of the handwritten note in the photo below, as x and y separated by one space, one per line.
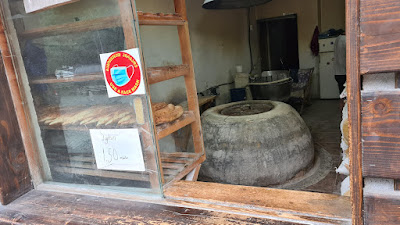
117 149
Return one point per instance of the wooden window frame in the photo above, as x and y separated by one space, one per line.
215 200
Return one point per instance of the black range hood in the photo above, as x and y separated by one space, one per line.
232 4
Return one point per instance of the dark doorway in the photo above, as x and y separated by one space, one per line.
279 43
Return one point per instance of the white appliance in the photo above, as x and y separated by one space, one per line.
328 85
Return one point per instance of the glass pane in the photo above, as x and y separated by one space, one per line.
60 49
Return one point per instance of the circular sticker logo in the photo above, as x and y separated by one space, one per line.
123 73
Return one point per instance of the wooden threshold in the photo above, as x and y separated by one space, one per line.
164 130
47 206
322 208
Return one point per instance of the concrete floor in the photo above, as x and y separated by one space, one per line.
323 118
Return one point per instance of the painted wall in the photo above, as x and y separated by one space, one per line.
219 43
333 14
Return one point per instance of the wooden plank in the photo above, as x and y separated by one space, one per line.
190 82
189 168
381 128
164 130
380 53
179 155
354 104
75 27
379 17
380 27
284 201
159 74
44 207
15 177
39 5
161 19
381 209
19 98
102 173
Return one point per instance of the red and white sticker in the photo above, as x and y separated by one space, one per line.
123 73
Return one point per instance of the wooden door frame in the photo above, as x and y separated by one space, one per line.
354 107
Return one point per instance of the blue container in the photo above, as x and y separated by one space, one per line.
238 94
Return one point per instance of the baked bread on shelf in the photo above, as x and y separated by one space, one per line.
166 114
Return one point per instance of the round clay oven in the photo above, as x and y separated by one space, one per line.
255 143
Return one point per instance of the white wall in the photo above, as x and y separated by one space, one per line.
219 43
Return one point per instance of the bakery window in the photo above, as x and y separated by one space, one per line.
74 64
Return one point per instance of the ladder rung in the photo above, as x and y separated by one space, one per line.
159 74
160 19
169 128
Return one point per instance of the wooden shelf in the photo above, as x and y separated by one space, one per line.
173 164
78 78
103 23
164 130
154 74
75 27
160 19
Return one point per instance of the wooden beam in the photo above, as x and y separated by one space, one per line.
381 128
164 130
380 26
306 204
381 209
15 179
354 101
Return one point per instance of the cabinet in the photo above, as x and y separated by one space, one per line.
56 56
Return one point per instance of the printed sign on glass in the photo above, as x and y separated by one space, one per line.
123 73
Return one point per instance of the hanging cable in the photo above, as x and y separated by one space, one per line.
249 37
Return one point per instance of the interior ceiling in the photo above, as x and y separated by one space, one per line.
232 4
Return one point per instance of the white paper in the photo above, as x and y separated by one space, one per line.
136 55
117 149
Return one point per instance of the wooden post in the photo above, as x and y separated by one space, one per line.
354 101
191 90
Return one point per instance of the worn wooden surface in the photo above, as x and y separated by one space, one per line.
302 203
14 171
381 209
381 139
40 207
354 103
380 35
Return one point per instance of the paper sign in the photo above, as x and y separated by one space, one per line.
123 73
36 5
117 149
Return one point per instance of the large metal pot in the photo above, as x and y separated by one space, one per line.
275 90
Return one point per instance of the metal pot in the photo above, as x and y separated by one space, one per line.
276 90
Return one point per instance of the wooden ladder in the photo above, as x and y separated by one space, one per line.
192 117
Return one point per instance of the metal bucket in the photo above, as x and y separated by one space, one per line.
276 90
